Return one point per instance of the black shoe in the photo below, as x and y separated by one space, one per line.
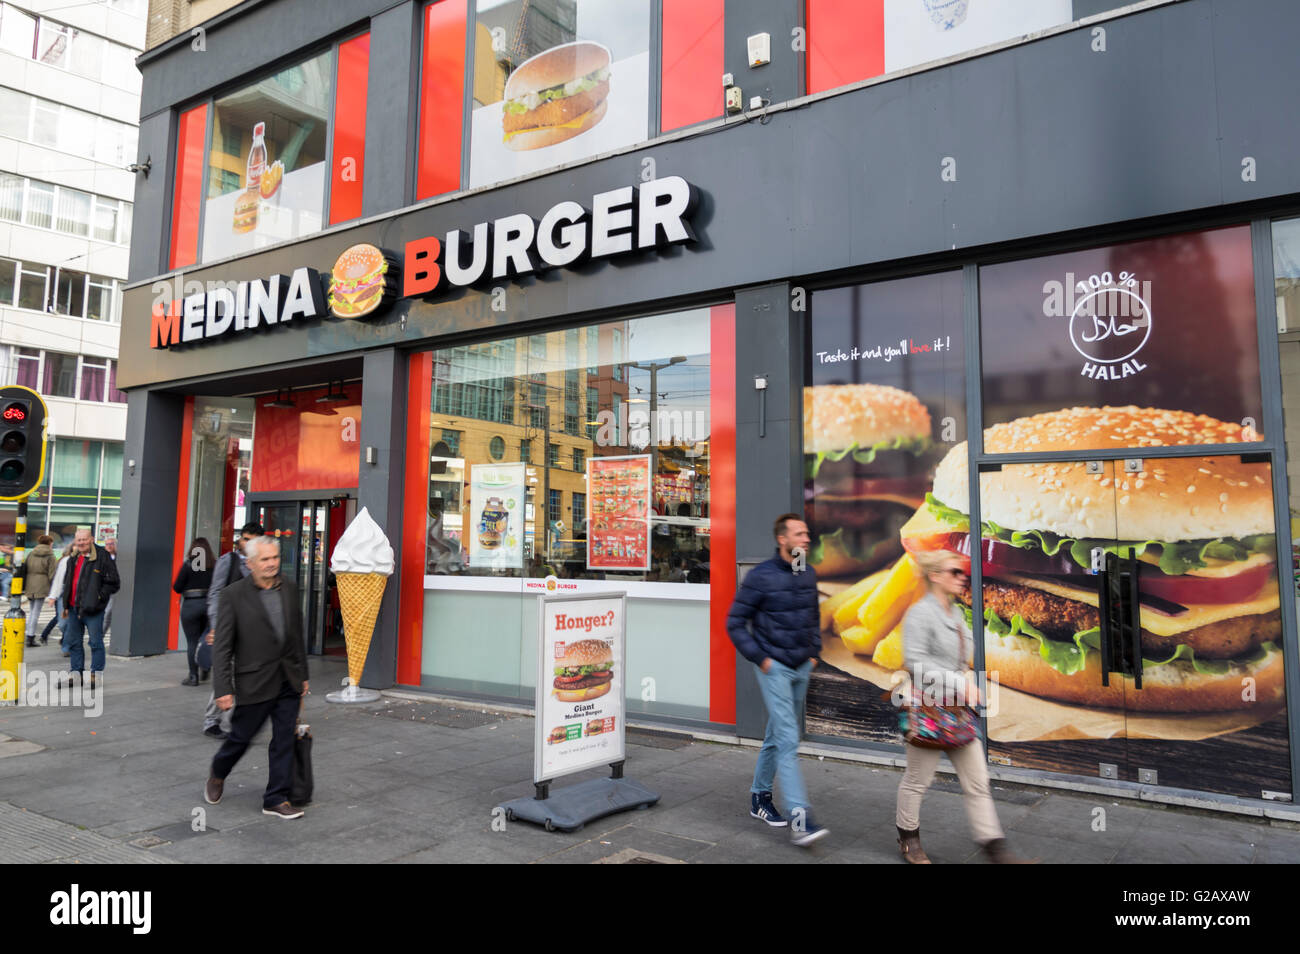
190 680
214 731
44 640
31 641
212 790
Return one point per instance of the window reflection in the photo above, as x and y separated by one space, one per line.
552 404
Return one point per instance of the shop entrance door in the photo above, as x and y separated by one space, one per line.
306 530
1146 644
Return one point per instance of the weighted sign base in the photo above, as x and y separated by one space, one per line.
568 809
352 694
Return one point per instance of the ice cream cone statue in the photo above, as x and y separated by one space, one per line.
362 562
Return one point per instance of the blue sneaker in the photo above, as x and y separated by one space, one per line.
761 807
805 831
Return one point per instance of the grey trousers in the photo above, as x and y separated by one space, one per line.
214 716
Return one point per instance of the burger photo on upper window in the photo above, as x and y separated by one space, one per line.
868 463
1201 529
556 95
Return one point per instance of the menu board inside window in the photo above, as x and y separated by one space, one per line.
619 534
266 163
1165 324
556 81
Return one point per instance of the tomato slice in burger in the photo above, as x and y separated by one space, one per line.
1190 590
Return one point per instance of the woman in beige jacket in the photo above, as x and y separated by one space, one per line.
38 569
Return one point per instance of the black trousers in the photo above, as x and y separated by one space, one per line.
247 720
194 622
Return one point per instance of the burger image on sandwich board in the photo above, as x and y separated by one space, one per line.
1201 528
358 281
556 95
865 448
585 671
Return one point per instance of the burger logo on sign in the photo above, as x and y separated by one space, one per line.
550 583
359 282
1110 324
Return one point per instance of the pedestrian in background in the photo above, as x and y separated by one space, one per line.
55 599
192 582
231 568
39 570
110 547
91 580
774 622
258 656
936 645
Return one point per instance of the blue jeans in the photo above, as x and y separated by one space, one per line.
92 623
783 690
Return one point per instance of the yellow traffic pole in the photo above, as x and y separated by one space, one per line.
15 623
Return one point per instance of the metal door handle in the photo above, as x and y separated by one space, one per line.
1104 611
1135 619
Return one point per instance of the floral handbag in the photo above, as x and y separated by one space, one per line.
937 727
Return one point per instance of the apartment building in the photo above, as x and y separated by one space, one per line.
69 107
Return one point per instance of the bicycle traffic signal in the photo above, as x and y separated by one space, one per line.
22 441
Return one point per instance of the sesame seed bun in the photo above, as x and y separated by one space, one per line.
837 416
1174 499
559 64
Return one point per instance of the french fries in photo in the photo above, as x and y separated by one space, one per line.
887 603
841 611
888 653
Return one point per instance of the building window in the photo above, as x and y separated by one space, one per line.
45 206
593 350
497 448
94 376
99 298
452 440
39 209
31 287
579 460
17 31
271 187
69 293
8 280
114 395
552 455
579 513
60 375
11 191
554 500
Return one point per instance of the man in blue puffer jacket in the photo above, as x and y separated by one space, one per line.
774 624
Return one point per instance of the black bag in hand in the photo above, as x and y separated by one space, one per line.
300 790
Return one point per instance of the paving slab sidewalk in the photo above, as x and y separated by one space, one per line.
413 779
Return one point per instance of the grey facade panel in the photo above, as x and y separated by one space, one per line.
1048 137
153 194
777 81
391 118
379 489
146 533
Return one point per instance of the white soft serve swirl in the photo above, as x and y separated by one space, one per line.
363 548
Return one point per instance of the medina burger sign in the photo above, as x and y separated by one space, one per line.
363 281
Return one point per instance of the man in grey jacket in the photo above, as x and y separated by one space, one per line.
231 568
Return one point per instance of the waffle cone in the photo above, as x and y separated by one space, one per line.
359 598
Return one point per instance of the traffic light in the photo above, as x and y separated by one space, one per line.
22 441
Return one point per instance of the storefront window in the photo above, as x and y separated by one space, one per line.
619 502
886 402
266 168
556 81
1166 323
1286 286
220 450
74 473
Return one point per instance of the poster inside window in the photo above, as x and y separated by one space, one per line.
885 402
266 165
556 81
